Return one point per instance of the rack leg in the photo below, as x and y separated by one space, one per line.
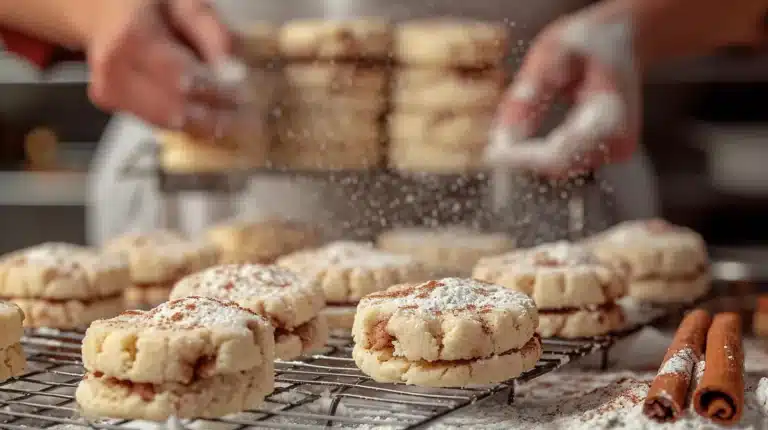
511 395
604 356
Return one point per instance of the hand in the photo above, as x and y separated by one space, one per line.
587 60
148 57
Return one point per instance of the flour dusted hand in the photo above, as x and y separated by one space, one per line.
148 57
587 60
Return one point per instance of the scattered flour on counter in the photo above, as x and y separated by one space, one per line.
761 394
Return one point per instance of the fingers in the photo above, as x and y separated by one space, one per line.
198 21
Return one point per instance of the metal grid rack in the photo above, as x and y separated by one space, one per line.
321 391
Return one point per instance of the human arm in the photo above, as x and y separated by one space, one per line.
594 59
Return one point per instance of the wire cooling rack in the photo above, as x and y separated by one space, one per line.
320 391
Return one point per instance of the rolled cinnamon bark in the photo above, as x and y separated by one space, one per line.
668 392
720 395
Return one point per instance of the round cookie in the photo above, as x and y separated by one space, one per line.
584 322
292 304
348 271
63 286
451 332
445 251
11 324
665 263
261 241
560 275
446 91
450 42
334 153
158 260
259 42
321 39
192 357
12 361
179 341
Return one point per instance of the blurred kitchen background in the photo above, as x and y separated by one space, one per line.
706 133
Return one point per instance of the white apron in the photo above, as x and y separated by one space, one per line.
118 205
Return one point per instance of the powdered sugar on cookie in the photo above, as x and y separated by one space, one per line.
455 295
242 281
458 237
652 232
190 313
558 256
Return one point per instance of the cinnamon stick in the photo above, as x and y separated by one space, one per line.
668 392
720 395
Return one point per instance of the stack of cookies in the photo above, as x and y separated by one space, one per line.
348 271
12 361
444 93
666 263
292 304
448 333
157 260
336 78
575 293
445 251
193 357
261 242
63 286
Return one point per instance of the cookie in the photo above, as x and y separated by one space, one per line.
450 42
11 324
180 154
418 156
63 286
261 241
291 303
158 259
337 79
333 154
12 361
665 263
348 271
442 129
68 313
369 106
313 39
445 251
446 91
451 332
583 322
191 357
557 275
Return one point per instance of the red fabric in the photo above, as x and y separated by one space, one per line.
36 51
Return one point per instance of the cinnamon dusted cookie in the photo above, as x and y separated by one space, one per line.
445 251
450 42
261 241
666 263
12 360
321 39
347 271
557 276
451 332
337 79
157 260
63 286
192 357
447 91
291 303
